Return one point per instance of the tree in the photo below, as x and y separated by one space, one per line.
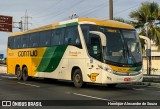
147 19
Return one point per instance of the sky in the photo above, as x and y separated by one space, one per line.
43 12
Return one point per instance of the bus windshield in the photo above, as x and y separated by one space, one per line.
123 46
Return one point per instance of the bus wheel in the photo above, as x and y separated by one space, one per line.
77 78
25 74
111 85
18 73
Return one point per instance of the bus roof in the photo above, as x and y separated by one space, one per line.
108 23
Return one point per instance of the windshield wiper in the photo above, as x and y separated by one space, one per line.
124 53
130 55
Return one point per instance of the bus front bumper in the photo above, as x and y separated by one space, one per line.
109 78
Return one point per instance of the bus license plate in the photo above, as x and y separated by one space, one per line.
127 79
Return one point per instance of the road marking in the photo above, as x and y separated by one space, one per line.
157 87
8 76
5 76
151 86
154 86
12 77
140 85
28 84
137 89
93 97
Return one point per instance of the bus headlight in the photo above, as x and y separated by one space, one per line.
107 69
110 70
140 71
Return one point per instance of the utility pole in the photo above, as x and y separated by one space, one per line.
111 9
150 55
26 23
148 52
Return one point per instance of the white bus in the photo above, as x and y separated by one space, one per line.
82 50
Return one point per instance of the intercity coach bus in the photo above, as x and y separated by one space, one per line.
84 50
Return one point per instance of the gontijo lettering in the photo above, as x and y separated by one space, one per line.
28 53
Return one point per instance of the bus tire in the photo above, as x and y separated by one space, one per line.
25 74
18 73
77 78
111 85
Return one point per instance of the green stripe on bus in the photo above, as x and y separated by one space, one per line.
69 24
135 68
61 26
51 59
72 24
66 25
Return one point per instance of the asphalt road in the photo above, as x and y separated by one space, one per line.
40 89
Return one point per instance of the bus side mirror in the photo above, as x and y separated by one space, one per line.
101 35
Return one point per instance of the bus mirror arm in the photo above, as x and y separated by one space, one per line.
101 35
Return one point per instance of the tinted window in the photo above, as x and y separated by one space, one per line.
25 41
95 47
86 29
72 36
34 39
17 42
57 37
45 38
11 42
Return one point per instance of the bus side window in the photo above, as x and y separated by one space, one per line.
11 42
34 39
57 37
45 38
25 41
17 42
72 36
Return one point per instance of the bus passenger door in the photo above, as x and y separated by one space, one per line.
95 51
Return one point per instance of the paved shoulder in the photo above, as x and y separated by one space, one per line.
3 69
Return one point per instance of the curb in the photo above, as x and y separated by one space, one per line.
148 84
152 84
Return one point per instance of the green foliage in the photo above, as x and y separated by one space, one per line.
148 13
147 19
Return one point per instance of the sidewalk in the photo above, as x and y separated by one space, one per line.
3 69
157 77
151 80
